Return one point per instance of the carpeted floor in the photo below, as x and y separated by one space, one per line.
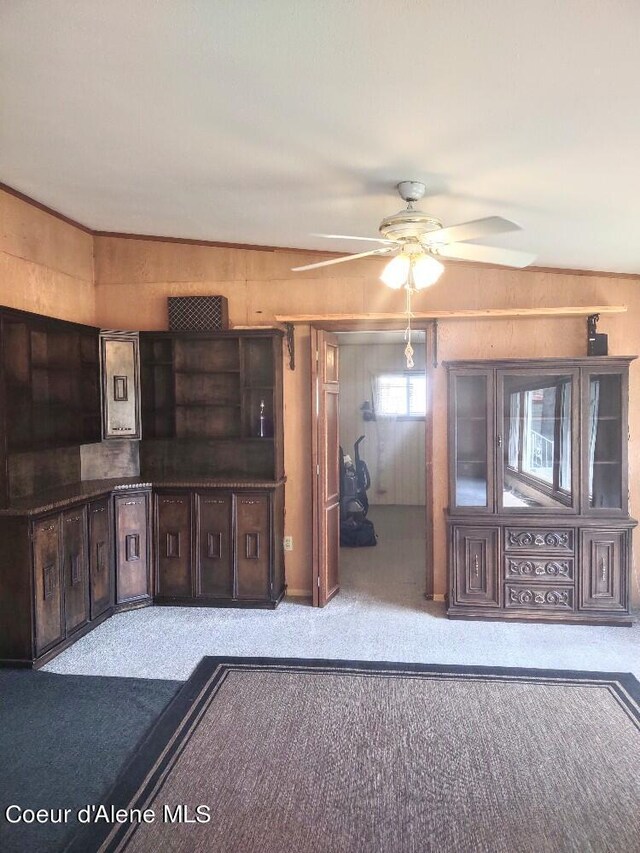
354 758
63 740
380 614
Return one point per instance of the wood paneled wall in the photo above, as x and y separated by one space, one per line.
46 265
134 277
393 449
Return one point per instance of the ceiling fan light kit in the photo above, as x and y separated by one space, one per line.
414 237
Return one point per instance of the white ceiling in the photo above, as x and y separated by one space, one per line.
262 121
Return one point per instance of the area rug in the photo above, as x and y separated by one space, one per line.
314 756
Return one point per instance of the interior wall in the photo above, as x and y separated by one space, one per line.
46 265
134 277
50 267
393 449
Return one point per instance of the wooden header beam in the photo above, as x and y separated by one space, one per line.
459 314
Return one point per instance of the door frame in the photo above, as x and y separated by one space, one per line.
429 328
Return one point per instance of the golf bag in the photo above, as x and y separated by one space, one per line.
356 531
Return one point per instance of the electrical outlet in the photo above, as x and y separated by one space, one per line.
288 543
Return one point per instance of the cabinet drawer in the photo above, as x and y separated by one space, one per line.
537 539
534 568
539 598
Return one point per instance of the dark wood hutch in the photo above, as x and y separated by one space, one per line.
199 522
538 521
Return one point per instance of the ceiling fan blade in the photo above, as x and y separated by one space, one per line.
486 255
349 237
383 251
470 230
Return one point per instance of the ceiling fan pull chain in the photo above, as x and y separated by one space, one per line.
408 350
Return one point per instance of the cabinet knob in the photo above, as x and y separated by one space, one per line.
603 569
476 566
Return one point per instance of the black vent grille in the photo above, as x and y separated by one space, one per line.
198 313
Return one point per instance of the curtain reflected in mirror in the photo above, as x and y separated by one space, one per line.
605 441
537 437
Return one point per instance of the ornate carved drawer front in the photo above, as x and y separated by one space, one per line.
535 568
532 539
537 597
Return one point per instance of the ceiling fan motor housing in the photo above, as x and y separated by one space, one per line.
408 225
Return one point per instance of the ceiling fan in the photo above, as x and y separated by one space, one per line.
416 239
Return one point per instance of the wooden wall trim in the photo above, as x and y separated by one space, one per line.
45 208
455 314
215 244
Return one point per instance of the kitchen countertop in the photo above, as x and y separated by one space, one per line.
55 499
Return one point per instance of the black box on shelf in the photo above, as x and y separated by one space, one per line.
198 313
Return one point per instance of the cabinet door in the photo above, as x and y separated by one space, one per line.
173 544
537 437
132 558
47 583
76 568
603 570
215 558
471 434
475 566
253 559
605 397
100 557
120 385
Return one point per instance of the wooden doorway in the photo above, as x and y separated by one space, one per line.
325 388
326 479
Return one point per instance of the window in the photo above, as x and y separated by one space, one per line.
401 395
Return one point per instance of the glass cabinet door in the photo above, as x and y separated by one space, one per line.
471 484
604 444
536 439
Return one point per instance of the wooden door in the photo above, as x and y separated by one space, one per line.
100 556
173 545
47 583
325 473
602 576
132 558
76 568
213 536
475 555
253 547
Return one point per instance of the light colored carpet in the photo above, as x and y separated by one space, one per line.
380 614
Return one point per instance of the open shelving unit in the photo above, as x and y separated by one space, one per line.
202 395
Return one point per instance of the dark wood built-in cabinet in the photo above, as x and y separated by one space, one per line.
219 547
58 576
212 409
538 515
203 524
